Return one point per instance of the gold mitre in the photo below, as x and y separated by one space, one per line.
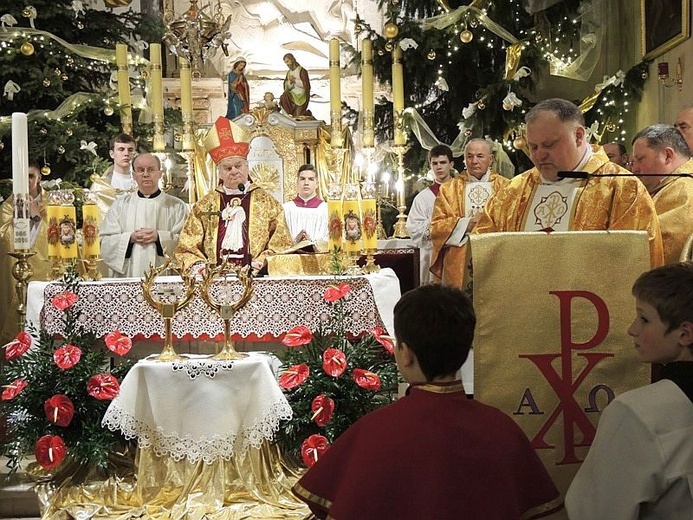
226 139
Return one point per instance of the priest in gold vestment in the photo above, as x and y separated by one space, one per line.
39 244
239 220
542 200
658 152
457 209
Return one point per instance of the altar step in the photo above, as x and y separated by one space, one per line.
17 498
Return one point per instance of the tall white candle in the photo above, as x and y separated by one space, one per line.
20 154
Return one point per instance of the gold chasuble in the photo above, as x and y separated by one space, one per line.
673 200
454 201
601 203
551 348
264 227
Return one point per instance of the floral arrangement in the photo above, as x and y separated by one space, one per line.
55 393
331 380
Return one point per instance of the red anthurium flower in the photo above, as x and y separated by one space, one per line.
313 448
118 343
294 376
323 408
366 379
59 410
333 362
67 356
103 387
13 389
64 300
18 346
386 341
299 335
332 293
50 451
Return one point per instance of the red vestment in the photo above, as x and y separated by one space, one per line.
432 454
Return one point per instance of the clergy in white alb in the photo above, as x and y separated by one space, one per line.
140 227
306 215
117 179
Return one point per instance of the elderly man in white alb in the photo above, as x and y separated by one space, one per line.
140 227
306 215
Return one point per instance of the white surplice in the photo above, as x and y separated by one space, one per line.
312 220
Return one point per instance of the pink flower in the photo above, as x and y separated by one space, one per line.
334 362
299 335
67 356
18 346
103 387
50 451
64 300
366 379
313 448
332 293
59 410
118 343
13 389
386 341
322 408
294 376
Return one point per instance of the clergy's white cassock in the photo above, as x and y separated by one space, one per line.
129 213
300 215
418 227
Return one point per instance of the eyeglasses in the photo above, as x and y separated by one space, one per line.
146 170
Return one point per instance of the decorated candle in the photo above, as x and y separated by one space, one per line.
335 94
53 231
334 213
367 91
91 246
157 97
398 94
368 216
67 227
20 182
124 88
352 219
186 103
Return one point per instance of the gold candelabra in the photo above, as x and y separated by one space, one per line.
227 310
169 305
22 272
400 229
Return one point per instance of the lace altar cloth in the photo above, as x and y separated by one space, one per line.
199 409
276 306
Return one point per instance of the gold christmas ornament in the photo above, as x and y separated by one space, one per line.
380 52
80 25
61 149
611 127
431 55
481 105
69 132
466 36
108 110
45 170
519 143
27 12
388 47
46 82
57 72
645 74
43 131
390 30
27 49
2 145
64 77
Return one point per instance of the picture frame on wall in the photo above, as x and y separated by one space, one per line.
665 24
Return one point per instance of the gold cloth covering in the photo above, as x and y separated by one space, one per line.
254 485
551 348
308 264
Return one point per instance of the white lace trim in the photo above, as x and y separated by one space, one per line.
201 367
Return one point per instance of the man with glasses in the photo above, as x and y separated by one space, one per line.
141 226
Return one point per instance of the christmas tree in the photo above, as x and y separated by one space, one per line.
58 60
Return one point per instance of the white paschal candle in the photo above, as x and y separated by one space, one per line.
20 181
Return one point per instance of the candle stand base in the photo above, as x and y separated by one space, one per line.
371 266
22 272
400 229
93 268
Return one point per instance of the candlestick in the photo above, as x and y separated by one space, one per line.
22 272
335 94
367 91
400 228
20 182
157 97
398 95
124 88
186 105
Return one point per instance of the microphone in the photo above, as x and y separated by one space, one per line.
587 175
241 187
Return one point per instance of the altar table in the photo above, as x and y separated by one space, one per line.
276 306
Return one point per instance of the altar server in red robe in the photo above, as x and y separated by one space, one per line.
434 453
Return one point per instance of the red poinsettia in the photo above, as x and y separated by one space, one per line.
18 346
103 387
294 376
333 362
64 300
67 356
366 379
313 448
59 410
117 342
50 451
13 389
386 341
323 408
299 335
334 293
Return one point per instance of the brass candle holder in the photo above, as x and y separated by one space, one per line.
169 305
400 229
227 310
22 272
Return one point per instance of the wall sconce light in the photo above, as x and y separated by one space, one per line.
663 73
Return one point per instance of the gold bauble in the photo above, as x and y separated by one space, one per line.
45 170
108 110
431 55
27 49
69 132
390 30
43 131
80 25
388 47
61 149
611 128
519 143
57 72
64 77
481 105
46 82
381 52
466 36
